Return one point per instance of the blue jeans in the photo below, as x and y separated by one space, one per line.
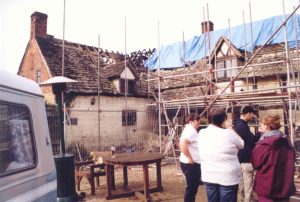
192 175
220 193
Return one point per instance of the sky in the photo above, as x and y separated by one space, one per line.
124 25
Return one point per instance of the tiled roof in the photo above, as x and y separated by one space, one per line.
179 77
271 61
81 64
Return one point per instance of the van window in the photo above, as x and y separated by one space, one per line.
17 148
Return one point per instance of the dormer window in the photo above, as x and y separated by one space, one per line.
224 68
124 82
130 86
226 58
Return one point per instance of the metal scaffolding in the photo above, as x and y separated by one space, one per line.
246 85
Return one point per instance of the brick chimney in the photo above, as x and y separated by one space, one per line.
207 26
38 25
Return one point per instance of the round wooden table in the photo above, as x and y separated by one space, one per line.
129 159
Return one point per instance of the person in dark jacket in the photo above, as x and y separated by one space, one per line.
273 157
241 127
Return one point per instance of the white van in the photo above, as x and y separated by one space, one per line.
27 169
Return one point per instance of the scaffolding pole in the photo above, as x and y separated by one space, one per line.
250 60
288 79
159 90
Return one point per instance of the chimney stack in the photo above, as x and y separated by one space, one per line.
38 25
207 26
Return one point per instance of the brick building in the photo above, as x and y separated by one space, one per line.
109 101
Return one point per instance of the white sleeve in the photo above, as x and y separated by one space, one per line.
187 134
237 139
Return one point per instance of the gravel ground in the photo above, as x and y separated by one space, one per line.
172 180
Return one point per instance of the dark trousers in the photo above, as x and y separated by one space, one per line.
220 193
192 175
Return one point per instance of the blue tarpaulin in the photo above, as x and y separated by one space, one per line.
171 56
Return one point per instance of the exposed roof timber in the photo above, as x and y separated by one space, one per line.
219 45
88 64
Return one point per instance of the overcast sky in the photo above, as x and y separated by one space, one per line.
86 19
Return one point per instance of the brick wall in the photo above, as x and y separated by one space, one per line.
33 61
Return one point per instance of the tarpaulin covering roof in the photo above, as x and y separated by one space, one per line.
172 56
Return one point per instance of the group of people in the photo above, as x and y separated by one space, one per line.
231 159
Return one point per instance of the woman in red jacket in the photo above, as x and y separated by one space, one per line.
273 157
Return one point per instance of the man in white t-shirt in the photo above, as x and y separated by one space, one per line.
189 157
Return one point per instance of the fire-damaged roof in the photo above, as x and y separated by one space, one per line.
81 64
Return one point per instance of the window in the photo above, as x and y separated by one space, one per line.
231 64
73 121
38 76
221 73
224 64
17 148
131 86
128 117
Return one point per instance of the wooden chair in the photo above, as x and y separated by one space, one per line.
89 170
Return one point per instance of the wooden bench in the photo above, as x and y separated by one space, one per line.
89 170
